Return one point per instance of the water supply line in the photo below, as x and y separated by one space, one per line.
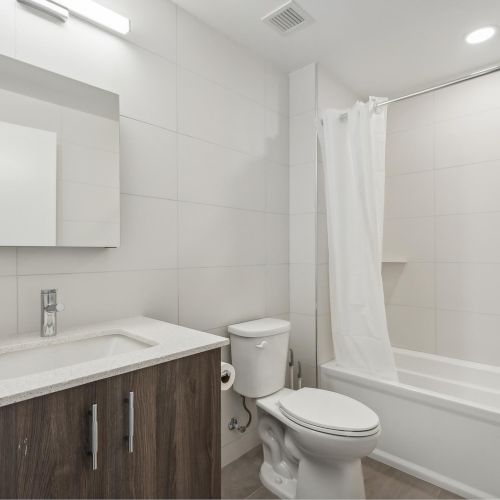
233 423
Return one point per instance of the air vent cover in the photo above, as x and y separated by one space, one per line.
288 18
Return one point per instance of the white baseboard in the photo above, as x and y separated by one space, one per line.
428 475
235 449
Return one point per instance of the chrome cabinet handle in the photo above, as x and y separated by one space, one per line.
94 435
130 437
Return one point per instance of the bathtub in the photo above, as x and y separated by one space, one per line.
440 422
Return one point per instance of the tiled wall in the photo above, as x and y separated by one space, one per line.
204 180
303 220
311 88
443 216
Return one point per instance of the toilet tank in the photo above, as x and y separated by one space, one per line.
259 355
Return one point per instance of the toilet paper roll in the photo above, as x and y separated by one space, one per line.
227 375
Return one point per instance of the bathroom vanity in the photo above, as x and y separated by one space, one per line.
143 422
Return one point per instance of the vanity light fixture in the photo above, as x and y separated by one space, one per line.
49 8
480 35
97 14
88 10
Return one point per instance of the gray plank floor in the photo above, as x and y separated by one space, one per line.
240 479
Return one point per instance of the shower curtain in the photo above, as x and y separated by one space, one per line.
353 146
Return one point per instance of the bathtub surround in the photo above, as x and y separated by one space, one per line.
442 215
204 180
353 146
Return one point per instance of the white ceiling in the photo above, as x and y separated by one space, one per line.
377 47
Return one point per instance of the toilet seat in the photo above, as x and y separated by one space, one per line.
330 413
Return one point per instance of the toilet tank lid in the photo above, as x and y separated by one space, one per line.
264 327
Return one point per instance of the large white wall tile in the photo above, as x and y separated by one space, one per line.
302 139
410 284
322 289
412 327
7 261
409 195
151 245
303 90
277 188
410 150
91 298
277 290
8 27
154 24
228 118
276 146
216 175
217 236
473 287
277 228
219 59
8 299
468 139
214 297
146 82
468 238
468 189
148 160
325 350
303 289
303 189
411 113
411 239
476 95
469 336
303 238
277 90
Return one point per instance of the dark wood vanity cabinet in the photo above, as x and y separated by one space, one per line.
45 441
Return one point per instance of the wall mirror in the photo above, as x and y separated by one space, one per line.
59 160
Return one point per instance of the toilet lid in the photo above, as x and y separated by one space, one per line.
329 412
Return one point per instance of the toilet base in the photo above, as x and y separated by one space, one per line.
276 483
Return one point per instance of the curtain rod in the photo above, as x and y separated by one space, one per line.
471 76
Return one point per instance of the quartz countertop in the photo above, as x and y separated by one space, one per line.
166 342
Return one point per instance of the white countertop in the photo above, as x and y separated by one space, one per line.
169 342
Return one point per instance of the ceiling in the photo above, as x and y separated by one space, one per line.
376 47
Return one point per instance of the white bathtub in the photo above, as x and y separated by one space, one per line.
441 422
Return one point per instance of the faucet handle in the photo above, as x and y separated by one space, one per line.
60 307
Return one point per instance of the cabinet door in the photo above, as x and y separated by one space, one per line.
8 447
52 434
126 472
188 427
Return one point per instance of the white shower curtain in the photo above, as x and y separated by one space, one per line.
353 145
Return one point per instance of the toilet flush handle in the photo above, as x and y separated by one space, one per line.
261 345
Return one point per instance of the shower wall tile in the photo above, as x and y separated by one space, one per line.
468 139
412 327
410 238
468 238
411 284
469 336
277 188
472 287
303 238
325 350
481 94
468 189
410 150
410 195
303 289
411 113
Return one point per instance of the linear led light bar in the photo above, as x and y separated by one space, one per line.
87 10
49 8
97 14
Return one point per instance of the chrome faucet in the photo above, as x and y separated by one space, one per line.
49 310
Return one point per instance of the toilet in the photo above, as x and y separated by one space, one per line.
313 440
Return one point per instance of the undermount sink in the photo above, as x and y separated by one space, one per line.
54 353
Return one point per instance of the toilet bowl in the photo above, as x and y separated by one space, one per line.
313 440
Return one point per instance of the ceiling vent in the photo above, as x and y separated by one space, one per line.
288 18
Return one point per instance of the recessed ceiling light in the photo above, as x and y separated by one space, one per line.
480 35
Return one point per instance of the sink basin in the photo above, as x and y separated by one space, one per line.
50 354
